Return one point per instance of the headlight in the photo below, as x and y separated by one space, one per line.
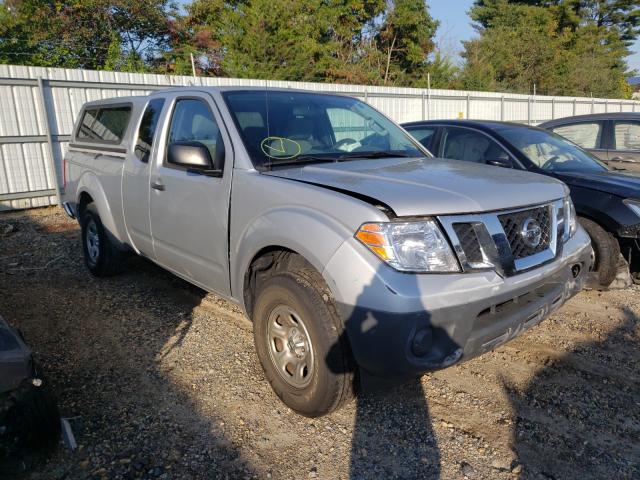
410 246
634 205
570 219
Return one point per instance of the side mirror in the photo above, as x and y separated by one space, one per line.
500 162
196 157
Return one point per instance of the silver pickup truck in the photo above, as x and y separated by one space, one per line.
359 258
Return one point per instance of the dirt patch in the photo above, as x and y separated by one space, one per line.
160 380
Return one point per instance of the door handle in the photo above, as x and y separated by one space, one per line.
157 186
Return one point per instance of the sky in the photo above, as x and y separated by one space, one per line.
455 26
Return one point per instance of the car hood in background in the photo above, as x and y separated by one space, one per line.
623 184
429 186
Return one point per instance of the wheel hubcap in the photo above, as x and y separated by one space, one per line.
289 347
93 241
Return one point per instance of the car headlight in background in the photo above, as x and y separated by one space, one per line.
570 219
410 246
634 205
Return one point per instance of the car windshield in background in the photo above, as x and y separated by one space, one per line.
550 151
289 128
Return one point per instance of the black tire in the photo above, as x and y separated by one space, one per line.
332 376
103 259
606 250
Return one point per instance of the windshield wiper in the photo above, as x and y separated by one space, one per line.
301 159
380 154
307 159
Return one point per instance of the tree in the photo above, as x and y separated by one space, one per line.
521 44
622 16
83 33
406 40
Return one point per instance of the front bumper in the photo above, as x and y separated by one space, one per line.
402 325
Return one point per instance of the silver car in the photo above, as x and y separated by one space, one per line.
358 260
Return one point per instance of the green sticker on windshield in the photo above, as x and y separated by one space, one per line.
280 147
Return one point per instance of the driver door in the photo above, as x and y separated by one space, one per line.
189 211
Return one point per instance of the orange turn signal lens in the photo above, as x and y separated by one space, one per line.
371 238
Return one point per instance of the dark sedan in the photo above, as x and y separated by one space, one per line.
607 201
612 137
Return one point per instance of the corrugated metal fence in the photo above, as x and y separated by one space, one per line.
38 107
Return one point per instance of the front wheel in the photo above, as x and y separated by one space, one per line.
606 250
301 345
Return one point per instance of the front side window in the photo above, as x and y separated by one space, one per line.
104 124
294 127
549 151
470 146
147 129
627 135
423 134
193 121
587 135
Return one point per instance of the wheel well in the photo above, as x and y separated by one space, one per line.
85 199
264 264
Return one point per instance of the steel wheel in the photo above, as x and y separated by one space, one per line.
289 346
92 238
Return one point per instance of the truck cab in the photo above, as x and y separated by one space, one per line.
358 260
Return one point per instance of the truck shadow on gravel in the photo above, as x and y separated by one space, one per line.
101 343
393 435
561 433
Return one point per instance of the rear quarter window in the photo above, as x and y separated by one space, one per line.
104 124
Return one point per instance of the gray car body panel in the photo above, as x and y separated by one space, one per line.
412 187
314 211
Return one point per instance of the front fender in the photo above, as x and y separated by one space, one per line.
310 233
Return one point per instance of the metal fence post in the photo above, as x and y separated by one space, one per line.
424 116
468 106
575 102
47 132
528 110
502 108
553 108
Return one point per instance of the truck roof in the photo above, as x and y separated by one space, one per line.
142 99
138 99
238 88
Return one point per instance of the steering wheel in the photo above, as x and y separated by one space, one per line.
550 163
345 141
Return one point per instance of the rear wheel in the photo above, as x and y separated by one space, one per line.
606 250
101 256
300 342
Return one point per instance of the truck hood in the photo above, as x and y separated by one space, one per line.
625 184
428 186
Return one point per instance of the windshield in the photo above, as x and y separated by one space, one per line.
551 152
289 128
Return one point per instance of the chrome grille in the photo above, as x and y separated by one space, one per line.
468 241
513 223
508 242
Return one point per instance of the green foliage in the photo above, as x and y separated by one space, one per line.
83 33
562 47
573 47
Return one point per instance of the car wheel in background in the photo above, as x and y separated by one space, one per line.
606 250
299 339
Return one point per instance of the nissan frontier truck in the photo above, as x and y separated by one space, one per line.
358 258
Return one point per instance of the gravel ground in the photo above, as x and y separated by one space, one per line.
161 381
